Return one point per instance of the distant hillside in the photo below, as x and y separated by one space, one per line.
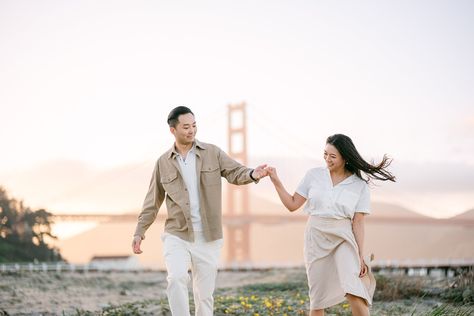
466 215
259 205
381 209
388 240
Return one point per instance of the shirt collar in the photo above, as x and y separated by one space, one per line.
197 144
347 180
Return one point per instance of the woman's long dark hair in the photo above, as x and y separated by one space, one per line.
355 163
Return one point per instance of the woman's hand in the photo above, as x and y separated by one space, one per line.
272 173
364 269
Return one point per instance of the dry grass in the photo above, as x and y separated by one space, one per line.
262 292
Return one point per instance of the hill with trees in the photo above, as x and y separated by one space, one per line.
24 232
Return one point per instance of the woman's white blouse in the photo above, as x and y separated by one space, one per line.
340 201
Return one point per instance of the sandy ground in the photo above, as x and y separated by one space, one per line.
64 293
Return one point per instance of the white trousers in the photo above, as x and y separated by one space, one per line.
203 258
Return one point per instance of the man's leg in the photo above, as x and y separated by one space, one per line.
205 260
177 260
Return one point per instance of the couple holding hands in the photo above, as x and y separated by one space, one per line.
337 196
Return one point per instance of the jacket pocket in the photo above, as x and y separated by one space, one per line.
170 182
210 175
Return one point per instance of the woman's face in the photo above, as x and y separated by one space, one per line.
333 158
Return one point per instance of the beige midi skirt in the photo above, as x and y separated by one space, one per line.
333 264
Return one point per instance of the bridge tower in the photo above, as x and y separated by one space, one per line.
238 231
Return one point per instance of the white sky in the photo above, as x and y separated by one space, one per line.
93 81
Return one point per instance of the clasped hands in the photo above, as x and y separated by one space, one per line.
264 170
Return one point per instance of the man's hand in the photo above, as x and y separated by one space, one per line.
259 172
137 240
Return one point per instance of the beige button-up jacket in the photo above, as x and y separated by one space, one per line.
168 184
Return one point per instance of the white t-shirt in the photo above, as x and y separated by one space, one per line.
340 201
188 170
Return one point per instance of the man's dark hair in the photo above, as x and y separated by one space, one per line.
175 113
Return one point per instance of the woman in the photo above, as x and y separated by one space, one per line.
337 198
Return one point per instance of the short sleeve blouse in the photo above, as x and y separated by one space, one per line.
341 201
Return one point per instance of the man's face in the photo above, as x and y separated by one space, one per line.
185 131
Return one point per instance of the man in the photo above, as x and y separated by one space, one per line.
188 177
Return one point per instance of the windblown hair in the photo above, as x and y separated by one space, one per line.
173 117
355 163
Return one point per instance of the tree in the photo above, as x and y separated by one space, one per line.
23 232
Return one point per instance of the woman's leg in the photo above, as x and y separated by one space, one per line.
358 305
348 267
316 312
